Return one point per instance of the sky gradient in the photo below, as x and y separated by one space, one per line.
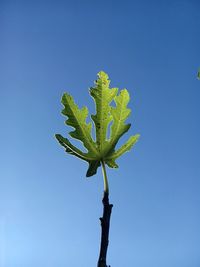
49 210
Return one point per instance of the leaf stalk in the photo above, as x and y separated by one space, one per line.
105 178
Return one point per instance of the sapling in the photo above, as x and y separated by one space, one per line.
101 151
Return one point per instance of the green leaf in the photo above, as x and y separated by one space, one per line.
77 119
119 113
69 148
93 166
111 163
124 148
102 95
103 148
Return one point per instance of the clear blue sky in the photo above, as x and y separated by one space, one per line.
48 210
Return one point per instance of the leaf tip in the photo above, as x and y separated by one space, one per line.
102 75
103 78
56 135
137 136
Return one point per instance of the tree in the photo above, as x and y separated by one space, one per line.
101 151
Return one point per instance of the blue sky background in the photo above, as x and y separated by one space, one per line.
48 210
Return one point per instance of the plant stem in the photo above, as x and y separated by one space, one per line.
105 178
105 222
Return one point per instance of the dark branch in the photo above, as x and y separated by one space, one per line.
105 225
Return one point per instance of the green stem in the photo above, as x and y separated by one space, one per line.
105 178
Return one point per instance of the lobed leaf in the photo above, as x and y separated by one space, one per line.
103 148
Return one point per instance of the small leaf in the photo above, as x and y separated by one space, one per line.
92 169
111 163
